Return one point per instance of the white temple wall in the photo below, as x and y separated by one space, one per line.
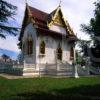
51 44
58 29
30 30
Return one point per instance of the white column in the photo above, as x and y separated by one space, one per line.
75 73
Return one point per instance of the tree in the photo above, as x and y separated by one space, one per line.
5 57
7 11
84 46
79 59
93 29
20 58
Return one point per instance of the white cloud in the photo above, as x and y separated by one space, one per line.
10 43
75 11
78 12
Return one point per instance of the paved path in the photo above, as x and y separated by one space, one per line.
9 76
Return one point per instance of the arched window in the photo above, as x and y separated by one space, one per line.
30 45
71 53
42 47
59 54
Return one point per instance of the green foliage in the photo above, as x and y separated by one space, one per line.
83 52
20 58
79 59
50 88
93 29
7 11
5 56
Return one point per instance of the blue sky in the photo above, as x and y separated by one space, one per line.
75 11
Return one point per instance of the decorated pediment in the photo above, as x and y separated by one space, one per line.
57 23
58 20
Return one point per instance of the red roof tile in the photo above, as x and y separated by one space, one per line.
38 14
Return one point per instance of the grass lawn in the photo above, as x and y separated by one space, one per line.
50 89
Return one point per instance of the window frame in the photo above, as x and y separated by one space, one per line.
71 53
42 48
30 45
59 53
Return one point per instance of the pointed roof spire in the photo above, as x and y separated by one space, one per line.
28 9
60 3
26 1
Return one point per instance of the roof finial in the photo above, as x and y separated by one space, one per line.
26 1
60 3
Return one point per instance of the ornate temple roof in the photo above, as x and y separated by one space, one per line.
44 20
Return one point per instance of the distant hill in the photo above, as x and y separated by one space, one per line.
13 55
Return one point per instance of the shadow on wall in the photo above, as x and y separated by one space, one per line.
74 93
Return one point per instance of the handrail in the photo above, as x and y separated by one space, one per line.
94 70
